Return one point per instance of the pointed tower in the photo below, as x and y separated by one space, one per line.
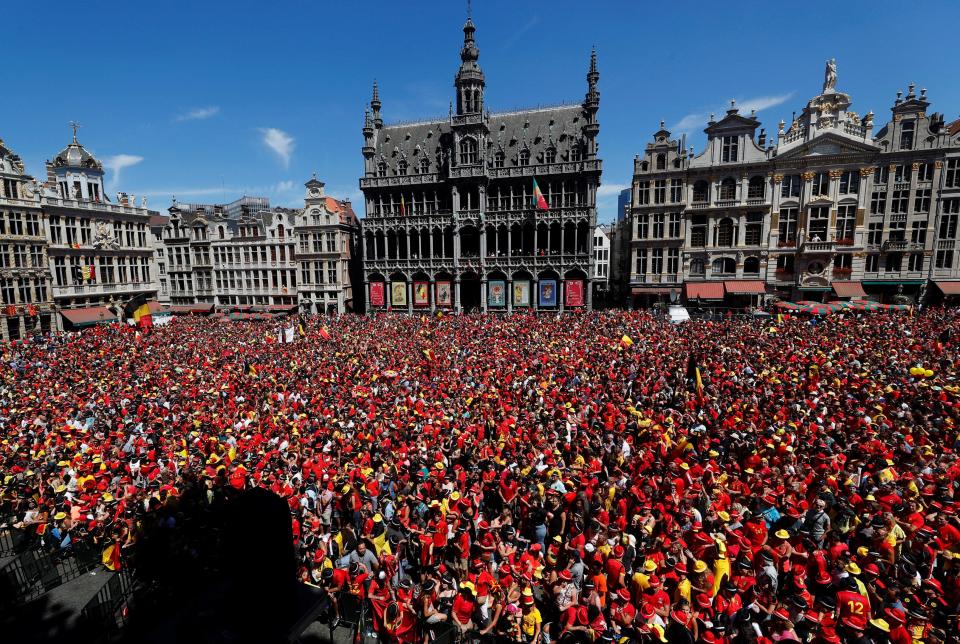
375 105
470 81
368 149
591 105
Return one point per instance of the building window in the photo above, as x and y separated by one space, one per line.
906 135
643 193
924 172
875 233
921 200
661 162
673 260
643 226
872 263
701 191
901 174
898 230
698 231
821 185
819 220
728 189
878 203
656 266
900 201
787 229
944 259
846 220
724 233
948 220
754 229
401 167
952 179
751 265
381 170
915 262
850 182
468 151
576 153
881 175
724 266
791 186
498 159
697 267
729 149
756 188
676 191
674 224
894 263
660 191
641 261
524 157
658 225
918 232
550 156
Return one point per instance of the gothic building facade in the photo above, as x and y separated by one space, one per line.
451 219
833 207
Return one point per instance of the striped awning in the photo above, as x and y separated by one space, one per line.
745 287
704 290
848 289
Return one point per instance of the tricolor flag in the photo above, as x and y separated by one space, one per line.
303 333
429 354
85 271
626 342
538 200
249 369
699 382
111 557
403 206
324 333
142 316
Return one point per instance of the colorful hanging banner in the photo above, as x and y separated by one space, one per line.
521 293
398 293
574 292
421 294
548 292
497 293
444 294
376 294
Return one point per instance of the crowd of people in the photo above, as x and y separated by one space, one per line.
597 477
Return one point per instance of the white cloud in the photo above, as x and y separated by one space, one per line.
698 120
280 142
284 186
117 163
610 190
199 114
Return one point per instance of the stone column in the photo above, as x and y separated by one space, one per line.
509 294
483 295
588 284
534 293
456 294
561 293
409 297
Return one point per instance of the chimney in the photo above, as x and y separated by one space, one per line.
51 176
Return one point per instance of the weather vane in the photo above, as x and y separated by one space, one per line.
75 126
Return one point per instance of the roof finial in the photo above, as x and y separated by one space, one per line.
469 9
75 126
376 93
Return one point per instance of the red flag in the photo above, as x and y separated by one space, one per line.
324 333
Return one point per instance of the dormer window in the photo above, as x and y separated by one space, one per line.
575 153
382 169
424 165
906 135
661 161
550 156
469 154
498 159
729 152
402 168
524 157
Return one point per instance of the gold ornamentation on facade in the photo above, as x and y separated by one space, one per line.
938 164
778 178
835 174
808 176
865 172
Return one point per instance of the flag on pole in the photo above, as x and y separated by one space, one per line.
142 316
539 202
699 382
303 333
403 206
111 557
85 272
626 342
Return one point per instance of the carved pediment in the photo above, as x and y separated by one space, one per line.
830 145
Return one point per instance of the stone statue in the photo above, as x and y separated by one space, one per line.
830 76
103 237
143 201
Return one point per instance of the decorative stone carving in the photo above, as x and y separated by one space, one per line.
808 176
865 172
830 76
835 174
103 237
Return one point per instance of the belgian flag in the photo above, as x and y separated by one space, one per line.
693 375
142 316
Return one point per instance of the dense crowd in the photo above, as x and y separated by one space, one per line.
529 478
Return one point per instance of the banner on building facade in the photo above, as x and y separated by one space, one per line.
521 293
574 292
398 293
548 292
421 294
497 293
444 294
376 294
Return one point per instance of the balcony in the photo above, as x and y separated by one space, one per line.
894 245
946 244
726 203
101 206
817 246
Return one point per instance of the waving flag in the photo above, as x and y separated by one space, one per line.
324 333
403 207
538 200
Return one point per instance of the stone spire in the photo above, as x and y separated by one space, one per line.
591 105
470 80
375 105
593 77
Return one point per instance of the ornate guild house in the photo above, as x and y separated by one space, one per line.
833 207
479 210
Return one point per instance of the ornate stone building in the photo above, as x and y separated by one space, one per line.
451 221
25 302
100 252
276 259
831 208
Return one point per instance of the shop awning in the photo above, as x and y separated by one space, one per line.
848 289
948 288
651 290
155 307
187 309
704 290
88 316
745 287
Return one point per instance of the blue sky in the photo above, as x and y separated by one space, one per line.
209 100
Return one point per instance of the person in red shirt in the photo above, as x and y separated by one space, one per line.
853 607
463 606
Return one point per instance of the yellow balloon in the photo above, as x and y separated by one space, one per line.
928 373
913 371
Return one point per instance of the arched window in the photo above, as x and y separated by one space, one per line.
751 265
701 191
550 156
382 169
724 266
468 151
661 161
757 188
424 165
728 189
723 233
524 157
280 231
402 167
696 266
906 135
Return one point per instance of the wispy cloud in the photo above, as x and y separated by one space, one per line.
117 163
697 120
279 142
198 114
607 190
284 186
514 38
